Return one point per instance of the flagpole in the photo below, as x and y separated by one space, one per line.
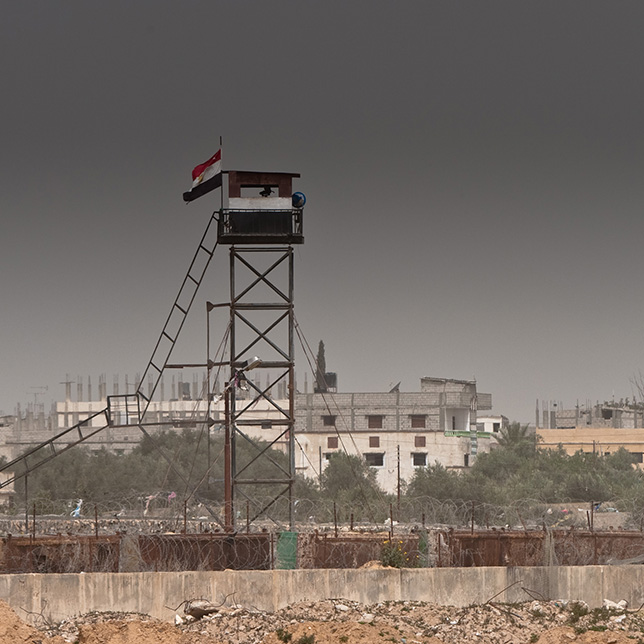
221 153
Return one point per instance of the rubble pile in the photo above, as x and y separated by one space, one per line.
337 621
345 622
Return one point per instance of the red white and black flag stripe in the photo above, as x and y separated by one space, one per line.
205 177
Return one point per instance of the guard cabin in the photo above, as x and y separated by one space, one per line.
274 216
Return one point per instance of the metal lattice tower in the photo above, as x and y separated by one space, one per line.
261 231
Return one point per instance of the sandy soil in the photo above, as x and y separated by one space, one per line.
344 622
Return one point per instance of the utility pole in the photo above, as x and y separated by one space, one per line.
228 468
398 487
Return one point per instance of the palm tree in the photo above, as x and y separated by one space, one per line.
516 435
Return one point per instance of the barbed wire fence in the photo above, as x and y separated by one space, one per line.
170 513
162 532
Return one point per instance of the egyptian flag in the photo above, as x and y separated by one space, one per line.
205 177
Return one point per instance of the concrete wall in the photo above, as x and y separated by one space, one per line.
60 596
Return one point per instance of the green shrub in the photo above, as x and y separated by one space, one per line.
306 639
394 555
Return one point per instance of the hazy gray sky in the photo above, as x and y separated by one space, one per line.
472 169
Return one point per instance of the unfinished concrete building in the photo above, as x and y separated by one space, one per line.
601 428
396 432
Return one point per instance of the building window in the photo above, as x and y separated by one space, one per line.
453 423
374 441
466 460
328 421
332 442
374 422
375 459
419 441
638 457
418 421
328 455
496 427
419 459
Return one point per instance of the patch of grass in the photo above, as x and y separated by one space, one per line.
534 638
577 611
344 638
283 635
600 614
306 639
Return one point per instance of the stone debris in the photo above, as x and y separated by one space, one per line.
198 608
423 623
622 604
343 621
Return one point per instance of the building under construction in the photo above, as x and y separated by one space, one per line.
395 431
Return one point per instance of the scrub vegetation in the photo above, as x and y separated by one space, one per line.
347 490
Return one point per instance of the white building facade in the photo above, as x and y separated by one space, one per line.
396 432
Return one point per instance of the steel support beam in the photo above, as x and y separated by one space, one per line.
266 329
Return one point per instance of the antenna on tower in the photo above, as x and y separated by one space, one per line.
68 388
41 391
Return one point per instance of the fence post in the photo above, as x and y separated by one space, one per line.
423 548
472 530
335 519
26 504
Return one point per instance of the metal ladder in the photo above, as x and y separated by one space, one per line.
178 313
81 431
52 447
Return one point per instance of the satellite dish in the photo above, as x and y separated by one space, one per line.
298 200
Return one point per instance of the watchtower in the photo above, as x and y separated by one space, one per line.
261 222
263 218
261 229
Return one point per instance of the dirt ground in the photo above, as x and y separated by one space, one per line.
345 622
